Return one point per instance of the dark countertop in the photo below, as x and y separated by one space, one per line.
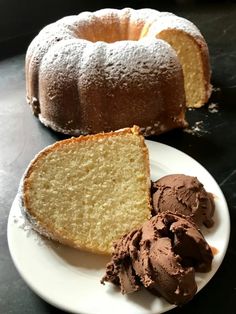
214 147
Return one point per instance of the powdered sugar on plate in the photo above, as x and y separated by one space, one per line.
22 223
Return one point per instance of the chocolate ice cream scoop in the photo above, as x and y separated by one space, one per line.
185 195
162 256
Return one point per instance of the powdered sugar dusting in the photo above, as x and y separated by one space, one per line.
68 27
131 61
25 220
168 20
197 129
22 223
213 107
69 131
216 89
145 16
119 63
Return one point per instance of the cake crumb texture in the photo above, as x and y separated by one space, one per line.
89 191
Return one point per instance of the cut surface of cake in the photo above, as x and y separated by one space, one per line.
87 192
192 52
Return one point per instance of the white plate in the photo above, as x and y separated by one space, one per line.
70 279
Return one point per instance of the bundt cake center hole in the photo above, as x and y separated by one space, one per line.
109 32
106 39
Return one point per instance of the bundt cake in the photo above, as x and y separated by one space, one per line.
88 191
112 68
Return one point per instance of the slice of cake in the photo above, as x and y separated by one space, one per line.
87 192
